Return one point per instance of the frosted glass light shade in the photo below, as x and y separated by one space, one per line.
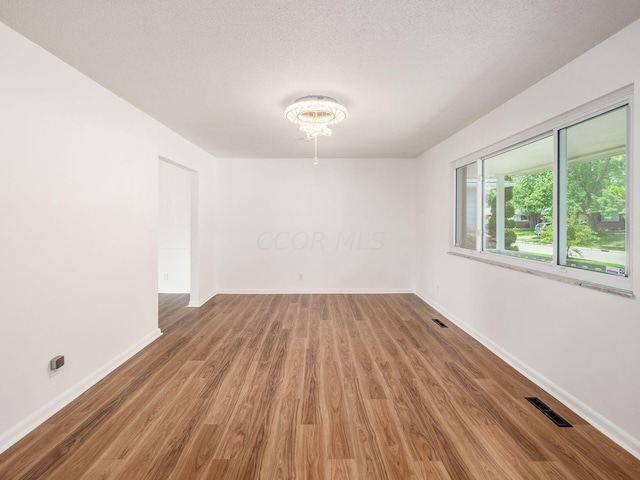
314 114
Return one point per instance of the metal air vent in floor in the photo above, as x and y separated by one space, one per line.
442 325
553 416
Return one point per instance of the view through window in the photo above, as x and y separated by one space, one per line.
570 215
518 200
593 165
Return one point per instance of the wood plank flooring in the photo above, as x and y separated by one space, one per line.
312 387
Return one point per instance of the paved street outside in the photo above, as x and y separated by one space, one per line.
613 257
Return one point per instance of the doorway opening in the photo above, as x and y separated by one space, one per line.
177 229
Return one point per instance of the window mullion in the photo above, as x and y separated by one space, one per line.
500 212
629 187
480 210
560 198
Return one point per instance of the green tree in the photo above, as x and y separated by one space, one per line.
533 195
594 189
579 234
597 188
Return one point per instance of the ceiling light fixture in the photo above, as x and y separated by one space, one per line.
314 114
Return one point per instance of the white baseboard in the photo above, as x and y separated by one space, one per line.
32 421
202 301
608 428
319 291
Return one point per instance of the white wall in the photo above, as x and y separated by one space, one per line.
78 249
174 228
345 224
581 344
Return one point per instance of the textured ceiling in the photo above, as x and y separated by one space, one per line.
411 72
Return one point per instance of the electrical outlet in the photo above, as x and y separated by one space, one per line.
300 276
166 276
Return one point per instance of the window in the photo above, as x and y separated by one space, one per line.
520 178
553 199
466 202
612 217
592 171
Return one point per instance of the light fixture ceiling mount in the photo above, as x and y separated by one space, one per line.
314 114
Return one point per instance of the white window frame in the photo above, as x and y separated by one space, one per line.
479 206
597 280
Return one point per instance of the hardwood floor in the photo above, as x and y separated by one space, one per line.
312 386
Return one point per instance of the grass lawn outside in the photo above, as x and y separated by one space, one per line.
523 232
527 235
612 240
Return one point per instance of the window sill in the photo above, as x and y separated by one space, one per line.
491 260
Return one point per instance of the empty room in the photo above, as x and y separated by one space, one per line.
319 240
